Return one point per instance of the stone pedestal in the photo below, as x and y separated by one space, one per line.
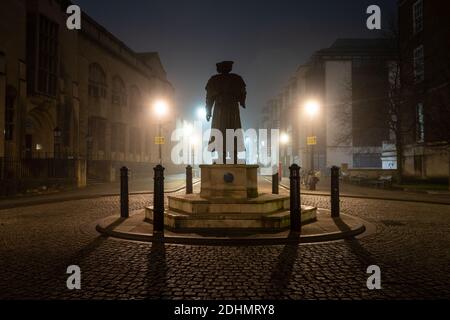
227 183
229 200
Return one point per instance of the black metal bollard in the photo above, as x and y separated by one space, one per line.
275 184
124 207
294 177
335 207
158 199
189 186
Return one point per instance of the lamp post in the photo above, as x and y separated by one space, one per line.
194 142
160 109
188 129
312 108
284 140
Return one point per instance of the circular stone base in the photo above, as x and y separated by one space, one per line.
272 222
324 229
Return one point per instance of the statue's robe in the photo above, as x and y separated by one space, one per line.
225 92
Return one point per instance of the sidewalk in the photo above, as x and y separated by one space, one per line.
351 190
172 182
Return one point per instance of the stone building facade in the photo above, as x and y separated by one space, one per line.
78 95
424 33
349 81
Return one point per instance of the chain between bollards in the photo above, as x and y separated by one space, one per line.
335 205
189 186
124 202
295 201
158 199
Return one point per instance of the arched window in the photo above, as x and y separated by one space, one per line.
135 141
10 100
119 92
97 81
135 101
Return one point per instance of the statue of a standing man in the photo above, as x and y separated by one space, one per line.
225 92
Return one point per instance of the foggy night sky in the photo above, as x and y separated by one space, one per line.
267 39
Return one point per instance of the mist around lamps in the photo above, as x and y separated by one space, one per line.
312 107
284 138
160 108
201 113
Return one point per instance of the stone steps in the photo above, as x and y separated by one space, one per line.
179 221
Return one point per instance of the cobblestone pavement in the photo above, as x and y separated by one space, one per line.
37 244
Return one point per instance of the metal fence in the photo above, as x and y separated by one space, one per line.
37 168
18 175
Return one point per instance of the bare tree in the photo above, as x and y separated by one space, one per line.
437 58
377 110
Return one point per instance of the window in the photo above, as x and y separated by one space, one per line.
357 62
135 141
418 16
97 130
97 81
367 160
419 67
10 100
114 137
119 93
118 137
48 56
420 124
418 165
148 142
135 101
122 136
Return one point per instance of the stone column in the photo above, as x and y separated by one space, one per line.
81 173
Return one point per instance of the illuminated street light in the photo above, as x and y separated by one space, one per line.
284 138
312 108
161 108
201 113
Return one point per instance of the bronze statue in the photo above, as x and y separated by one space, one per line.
225 92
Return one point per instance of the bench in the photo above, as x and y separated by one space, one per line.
382 182
358 179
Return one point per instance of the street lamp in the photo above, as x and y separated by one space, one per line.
201 113
160 108
312 109
284 140
188 130
194 142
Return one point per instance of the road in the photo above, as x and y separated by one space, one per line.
38 243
